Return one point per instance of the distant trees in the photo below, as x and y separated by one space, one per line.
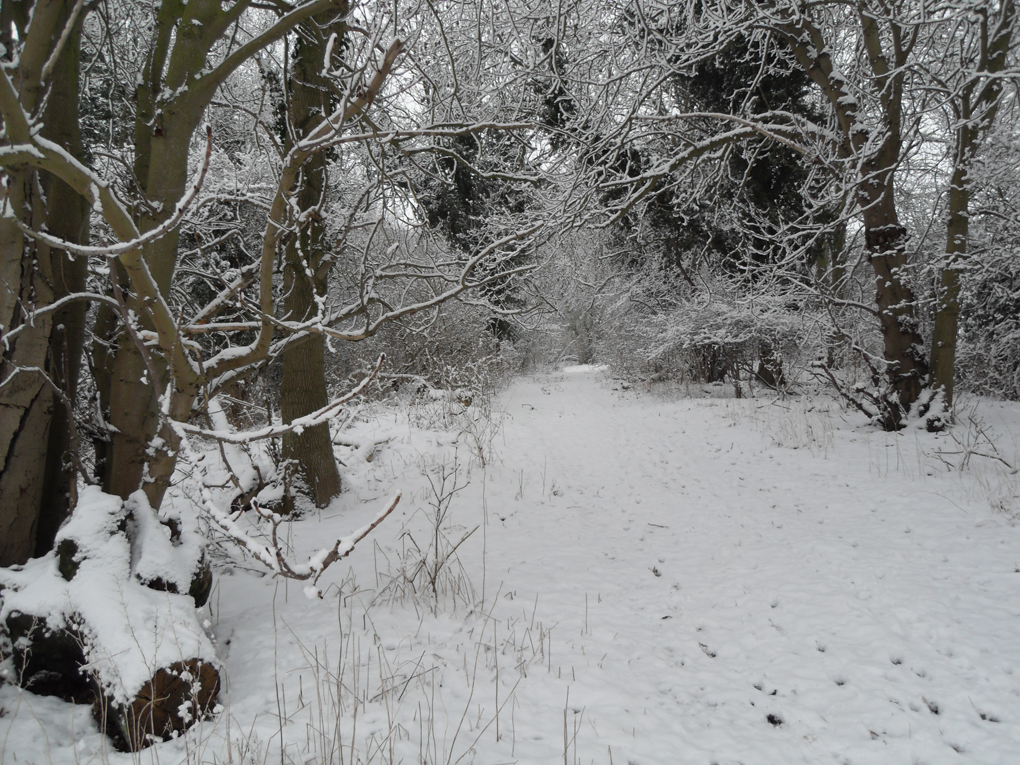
878 74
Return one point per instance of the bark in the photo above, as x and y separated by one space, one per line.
303 388
831 272
886 241
46 660
50 661
770 366
947 316
166 706
162 139
34 485
830 268
25 399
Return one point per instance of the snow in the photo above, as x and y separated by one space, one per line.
657 579
19 149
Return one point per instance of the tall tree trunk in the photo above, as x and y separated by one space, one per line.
947 316
34 486
128 394
976 108
172 94
303 389
132 392
26 401
907 370
67 217
885 236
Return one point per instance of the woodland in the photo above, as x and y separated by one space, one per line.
229 225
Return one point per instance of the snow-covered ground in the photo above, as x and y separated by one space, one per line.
652 579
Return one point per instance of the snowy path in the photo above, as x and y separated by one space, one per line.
711 581
848 603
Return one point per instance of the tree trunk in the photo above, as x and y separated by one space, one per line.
133 393
67 217
976 111
25 399
885 238
132 642
906 367
303 385
305 276
33 484
133 416
947 316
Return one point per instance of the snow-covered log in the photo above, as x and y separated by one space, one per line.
81 618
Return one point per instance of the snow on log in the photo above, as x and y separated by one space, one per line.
168 549
82 617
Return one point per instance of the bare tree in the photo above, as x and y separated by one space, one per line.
874 68
157 360
974 90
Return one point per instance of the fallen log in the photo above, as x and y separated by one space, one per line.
84 617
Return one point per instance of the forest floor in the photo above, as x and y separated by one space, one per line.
653 578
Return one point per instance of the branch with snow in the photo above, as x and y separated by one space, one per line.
317 417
